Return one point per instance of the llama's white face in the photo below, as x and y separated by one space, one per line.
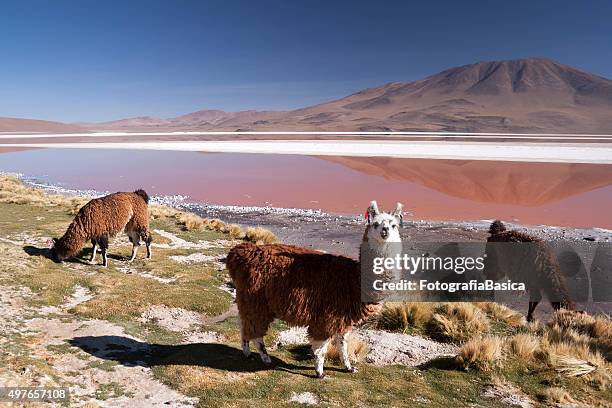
384 227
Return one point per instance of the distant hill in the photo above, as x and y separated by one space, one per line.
207 119
31 125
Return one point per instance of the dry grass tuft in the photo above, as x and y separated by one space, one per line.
400 317
260 235
601 328
216 225
235 231
572 366
482 353
503 313
597 327
191 222
524 346
600 378
13 191
536 328
556 395
569 358
157 211
357 350
458 322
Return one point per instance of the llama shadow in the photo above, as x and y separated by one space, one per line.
129 352
35 251
446 363
81 258
301 353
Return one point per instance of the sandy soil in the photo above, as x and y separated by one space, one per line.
383 348
49 327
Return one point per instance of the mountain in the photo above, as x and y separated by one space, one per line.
524 95
31 125
518 95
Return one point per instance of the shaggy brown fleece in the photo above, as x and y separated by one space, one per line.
299 286
533 264
103 218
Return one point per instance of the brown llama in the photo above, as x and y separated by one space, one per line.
304 287
534 264
103 218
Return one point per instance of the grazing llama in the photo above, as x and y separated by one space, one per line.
534 264
103 218
306 288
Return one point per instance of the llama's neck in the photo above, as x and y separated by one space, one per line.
369 251
387 249
73 239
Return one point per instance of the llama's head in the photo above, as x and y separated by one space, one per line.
497 227
59 252
384 227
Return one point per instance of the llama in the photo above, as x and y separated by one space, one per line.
533 264
103 218
304 287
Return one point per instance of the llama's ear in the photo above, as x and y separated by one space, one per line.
398 212
372 211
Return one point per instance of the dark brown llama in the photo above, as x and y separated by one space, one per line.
532 263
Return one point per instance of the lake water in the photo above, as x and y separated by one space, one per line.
578 195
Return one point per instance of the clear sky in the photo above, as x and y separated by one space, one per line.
103 60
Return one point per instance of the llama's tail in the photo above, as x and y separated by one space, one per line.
140 192
496 227
238 259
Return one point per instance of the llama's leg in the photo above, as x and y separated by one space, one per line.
134 252
148 239
319 348
135 240
534 298
94 250
103 241
254 328
246 347
342 347
261 348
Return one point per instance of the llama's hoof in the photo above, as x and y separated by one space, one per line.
352 370
320 376
91 262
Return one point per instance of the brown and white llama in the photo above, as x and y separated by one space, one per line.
304 287
103 218
532 263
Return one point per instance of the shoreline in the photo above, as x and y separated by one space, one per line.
331 232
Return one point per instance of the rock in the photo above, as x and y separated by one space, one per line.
306 398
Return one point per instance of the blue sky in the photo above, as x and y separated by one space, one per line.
103 60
